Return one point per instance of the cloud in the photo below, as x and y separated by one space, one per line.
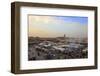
50 26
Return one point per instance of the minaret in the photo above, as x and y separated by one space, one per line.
65 40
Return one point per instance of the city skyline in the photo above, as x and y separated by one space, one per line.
57 26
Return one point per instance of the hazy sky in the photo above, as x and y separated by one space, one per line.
57 26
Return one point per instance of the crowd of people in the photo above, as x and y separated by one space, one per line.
49 50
